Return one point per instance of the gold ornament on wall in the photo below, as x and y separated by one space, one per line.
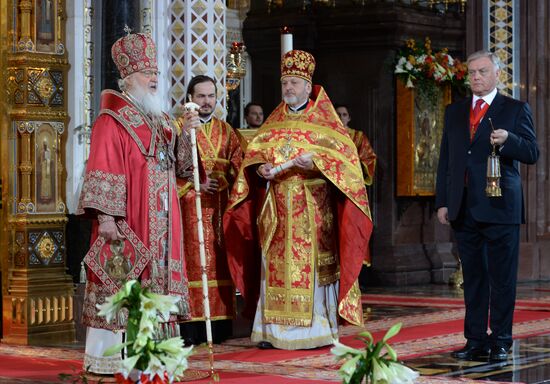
46 248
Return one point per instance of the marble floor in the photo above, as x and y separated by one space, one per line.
529 360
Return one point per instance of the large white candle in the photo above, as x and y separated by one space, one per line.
286 40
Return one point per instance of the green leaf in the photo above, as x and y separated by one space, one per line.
114 349
368 336
394 330
391 352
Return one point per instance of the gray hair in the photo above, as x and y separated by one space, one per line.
123 84
490 55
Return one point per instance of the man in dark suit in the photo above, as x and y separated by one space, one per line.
486 228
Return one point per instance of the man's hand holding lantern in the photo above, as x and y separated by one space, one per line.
499 136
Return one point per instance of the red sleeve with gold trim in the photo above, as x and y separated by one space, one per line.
105 185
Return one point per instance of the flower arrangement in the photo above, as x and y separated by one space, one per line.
157 361
376 364
419 65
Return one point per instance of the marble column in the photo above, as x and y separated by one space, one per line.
197 34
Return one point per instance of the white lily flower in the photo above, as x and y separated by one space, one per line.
408 66
399 69
171 346
340 350
174 367
409 83
450 60
148 307
113 304
140 342
128 364
401 374
155 366
380 372
347 369
147 326
164 304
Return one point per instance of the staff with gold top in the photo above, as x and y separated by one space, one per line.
191 111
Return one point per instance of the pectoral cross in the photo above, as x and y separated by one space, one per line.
287 149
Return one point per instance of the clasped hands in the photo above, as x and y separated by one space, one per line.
268 171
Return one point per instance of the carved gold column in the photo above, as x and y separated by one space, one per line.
37 294
25 42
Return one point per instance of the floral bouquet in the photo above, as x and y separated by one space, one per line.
418 65
376 364
157 361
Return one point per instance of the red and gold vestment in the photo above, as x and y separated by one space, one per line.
221 156
130 175
305 221
366 154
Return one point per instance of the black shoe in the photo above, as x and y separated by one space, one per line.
265 345
471 353
498 354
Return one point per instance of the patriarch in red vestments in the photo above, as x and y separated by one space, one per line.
299 197
129 190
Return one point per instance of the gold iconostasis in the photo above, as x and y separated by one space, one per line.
37 293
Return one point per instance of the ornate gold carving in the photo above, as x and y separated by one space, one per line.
19 249
45 87
46 248
24 126
18 114
84 135
25 168
36 59
32 245
38 220
25 43
118 265
50 309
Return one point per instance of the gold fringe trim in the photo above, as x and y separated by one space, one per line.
284 320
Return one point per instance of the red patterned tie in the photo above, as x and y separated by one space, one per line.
476 118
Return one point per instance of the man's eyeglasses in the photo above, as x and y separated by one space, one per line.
150 73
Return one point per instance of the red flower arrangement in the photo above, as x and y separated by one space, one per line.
418 64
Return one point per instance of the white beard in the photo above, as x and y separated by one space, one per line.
151 103
290 100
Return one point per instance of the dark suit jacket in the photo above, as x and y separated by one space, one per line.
460 156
